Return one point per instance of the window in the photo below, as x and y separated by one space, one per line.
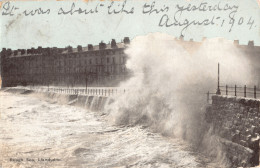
90 61
114 60
107 59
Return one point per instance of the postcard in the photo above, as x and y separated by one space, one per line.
129 83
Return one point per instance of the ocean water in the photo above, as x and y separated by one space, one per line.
42 133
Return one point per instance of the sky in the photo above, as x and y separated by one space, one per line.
232 19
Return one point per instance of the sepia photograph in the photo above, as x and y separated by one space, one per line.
127 83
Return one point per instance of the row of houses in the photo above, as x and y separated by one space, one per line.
100 65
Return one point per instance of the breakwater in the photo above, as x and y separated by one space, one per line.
237 122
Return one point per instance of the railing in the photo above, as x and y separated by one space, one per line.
94 91
237 91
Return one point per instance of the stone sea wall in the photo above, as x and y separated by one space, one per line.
237 122
91 102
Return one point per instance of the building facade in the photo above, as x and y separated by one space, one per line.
101 65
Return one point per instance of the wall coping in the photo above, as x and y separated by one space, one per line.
241 100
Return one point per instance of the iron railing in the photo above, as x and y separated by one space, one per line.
93 91
237 91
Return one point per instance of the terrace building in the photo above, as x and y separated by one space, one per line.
101 65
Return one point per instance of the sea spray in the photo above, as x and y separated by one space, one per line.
86 102
167 90
94 103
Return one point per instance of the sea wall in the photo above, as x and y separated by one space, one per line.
237 122
91 102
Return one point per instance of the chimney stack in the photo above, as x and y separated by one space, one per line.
236 42
29 51
251 43
102 45
126 40
9 52
3 53
90 47
15 52
22 51
33 50
79 48
69 49
113 43
39 50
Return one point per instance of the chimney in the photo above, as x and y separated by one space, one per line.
3 49
90 47
33 50
39 50
9 52
113 43
22 51
29 51
3 53
126 40
236 42
15 52
251 43
69 49
79 48
102 45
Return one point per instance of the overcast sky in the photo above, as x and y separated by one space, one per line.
49 30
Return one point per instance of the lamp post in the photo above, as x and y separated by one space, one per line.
218 89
